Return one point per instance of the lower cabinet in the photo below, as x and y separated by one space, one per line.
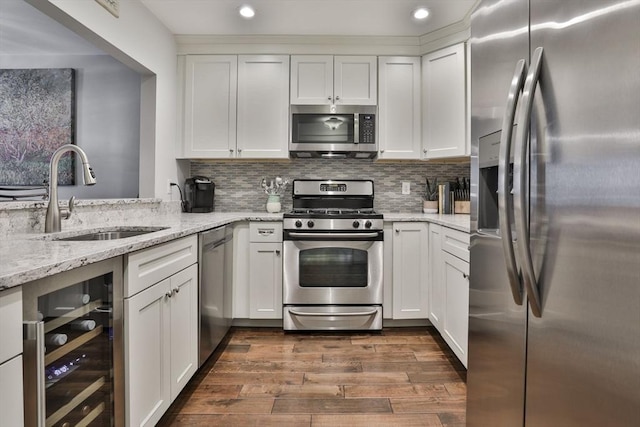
161 335
11 395
161 327
455 325
410 269
449 287
265 270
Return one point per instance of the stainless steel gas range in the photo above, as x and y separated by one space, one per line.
332 257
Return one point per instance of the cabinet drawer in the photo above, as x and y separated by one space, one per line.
265 232
456 243
10 323
149 266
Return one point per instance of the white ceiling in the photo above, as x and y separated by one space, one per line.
307 17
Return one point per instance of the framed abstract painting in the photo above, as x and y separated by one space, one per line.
37 115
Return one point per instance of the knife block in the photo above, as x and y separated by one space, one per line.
462 207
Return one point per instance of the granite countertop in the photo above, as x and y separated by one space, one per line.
27 257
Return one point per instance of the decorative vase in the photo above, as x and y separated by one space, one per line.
273 203
430 206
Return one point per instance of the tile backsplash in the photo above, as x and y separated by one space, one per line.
238 182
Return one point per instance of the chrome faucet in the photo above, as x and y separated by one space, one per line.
52 220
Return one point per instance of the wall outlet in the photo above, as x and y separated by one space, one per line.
169 181
406 188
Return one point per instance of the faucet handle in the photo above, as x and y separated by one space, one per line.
66 212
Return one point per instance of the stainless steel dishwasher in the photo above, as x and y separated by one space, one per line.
215 276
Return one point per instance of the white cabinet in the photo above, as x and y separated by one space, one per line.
235 106
11 395
161 328
399 108
410 269
455 328
436 282
263 106
325 80
210 106
265 270
444 103
449 286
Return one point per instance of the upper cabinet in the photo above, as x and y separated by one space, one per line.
399 108
263 106
444 131
236 106
327 79
210 106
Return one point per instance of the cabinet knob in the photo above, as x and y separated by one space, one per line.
277 252
176 290
329 98
424 151
337 98
168 294
465 275
239 150
381 151
231 150
397 230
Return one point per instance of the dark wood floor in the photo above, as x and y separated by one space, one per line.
264 377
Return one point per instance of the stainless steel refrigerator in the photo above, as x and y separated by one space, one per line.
554 316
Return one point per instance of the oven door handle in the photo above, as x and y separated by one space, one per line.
353 313
339 235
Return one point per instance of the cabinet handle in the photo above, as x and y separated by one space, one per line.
265 232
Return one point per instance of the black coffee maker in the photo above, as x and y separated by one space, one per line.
199 192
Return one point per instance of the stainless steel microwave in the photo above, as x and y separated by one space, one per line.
333 131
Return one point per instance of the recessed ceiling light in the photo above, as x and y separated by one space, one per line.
420 13
247 12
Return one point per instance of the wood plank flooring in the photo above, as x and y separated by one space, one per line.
265 377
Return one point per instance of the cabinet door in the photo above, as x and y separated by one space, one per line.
11 400
147 352
410 251
444 85
456 313
311 79
265 281
184 327
263 106
210 106
399 107
436 280
355 80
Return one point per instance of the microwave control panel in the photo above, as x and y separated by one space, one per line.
367 128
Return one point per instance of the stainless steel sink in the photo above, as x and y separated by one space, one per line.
111 234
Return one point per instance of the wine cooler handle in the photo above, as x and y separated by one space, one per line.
505 214
34 346
520 175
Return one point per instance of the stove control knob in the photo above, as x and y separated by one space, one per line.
367 224
298 224
310 224
356 224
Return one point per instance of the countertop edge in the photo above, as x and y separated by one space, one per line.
59 256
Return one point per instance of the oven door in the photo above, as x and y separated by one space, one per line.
332 268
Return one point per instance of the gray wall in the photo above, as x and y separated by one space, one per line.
107 120
238 182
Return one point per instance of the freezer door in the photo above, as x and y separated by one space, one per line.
497 325
583 363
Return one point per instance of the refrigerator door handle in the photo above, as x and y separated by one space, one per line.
520 174
505 215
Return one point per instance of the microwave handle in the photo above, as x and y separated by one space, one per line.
356 128
33 335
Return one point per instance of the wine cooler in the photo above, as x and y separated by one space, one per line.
73 354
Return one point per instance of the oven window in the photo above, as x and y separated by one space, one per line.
334 267
325 128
